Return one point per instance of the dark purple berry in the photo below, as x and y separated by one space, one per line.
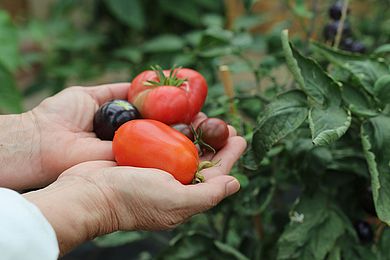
336 10
111 115
358 47
364 231
330 30
346 44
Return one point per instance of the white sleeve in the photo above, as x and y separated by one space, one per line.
24 231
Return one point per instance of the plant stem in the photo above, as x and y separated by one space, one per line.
341 24
211 224
226 223
259 226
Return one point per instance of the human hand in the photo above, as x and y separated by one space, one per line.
96 198
63 134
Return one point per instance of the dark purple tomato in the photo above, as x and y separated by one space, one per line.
111 115
185 130
336 10
330 30
358 47
364 231
213 132
346 43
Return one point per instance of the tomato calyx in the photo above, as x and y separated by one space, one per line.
199 141
171 80
199 178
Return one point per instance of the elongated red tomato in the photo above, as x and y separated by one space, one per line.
151 144
169 96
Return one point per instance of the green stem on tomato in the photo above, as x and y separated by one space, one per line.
171 80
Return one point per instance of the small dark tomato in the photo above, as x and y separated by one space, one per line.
330 30
336 10
358 47
214 132
346 43
111 115
185 130
364 231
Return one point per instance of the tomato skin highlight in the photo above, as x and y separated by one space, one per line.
169 104
151 144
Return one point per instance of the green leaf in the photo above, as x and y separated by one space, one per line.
384 243
328 125
10 97
375 134
382 49
382 89
358 101
311 78
128 12
118 238
314 228
186 11
256 196
164 43
247 22
215 37
9 49
365 70
280 118
129 53
212 20
229 250
300 9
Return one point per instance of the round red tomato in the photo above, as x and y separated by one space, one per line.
152 144
169 96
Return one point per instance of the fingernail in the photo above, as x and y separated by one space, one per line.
232 187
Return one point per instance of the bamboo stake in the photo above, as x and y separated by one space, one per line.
228 85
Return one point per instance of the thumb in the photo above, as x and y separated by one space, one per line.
203 196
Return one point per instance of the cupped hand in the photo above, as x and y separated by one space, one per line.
64 124
127 198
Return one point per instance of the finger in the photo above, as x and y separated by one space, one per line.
209 155
202 196
227 156
91 149
108 92
232 131
198 119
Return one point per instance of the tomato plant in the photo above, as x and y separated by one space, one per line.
169 96
152 144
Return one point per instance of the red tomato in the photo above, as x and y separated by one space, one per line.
169 96
151 144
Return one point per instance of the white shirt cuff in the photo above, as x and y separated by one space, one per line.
24 231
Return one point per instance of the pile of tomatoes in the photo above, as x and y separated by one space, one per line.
153 128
